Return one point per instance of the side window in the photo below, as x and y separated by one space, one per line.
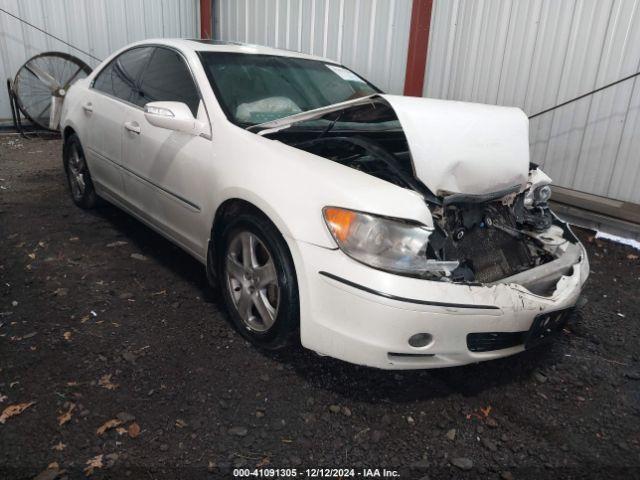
120 77
168 79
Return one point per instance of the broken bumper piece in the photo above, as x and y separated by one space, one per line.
545 277
365 316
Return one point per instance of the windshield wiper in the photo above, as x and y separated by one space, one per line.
331 125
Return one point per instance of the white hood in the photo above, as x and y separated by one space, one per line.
456 147
462 147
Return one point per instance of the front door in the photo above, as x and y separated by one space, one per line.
162 168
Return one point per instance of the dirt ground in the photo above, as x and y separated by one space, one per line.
102 319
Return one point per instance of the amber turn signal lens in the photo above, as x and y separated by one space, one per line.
339 221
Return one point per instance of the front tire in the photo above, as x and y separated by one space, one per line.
77 172
258 281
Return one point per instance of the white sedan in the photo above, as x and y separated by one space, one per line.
382 230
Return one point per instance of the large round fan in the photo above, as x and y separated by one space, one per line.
41 84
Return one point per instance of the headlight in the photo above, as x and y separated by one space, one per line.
389 244
542 194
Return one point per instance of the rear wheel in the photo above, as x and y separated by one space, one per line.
258 281
78 176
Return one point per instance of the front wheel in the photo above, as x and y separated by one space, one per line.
78 176
258 281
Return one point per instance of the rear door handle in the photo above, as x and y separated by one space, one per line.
88 107
132 127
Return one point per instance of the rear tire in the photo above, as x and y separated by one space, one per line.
258 281
78 177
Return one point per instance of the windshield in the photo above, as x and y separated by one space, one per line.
254 89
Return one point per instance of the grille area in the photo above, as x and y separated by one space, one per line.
485 248
487 342
491 253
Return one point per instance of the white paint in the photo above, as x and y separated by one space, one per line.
460 147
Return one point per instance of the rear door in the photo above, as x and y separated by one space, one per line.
163 167
105 111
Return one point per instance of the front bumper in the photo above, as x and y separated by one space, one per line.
365 316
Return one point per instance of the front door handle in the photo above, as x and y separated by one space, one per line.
88 107
132 127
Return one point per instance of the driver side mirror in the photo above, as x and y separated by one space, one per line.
174 116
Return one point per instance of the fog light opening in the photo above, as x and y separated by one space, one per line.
420 340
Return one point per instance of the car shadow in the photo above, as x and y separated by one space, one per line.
155 246
371 385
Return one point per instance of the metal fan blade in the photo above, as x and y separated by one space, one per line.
41 84
72 78
44 77
55 112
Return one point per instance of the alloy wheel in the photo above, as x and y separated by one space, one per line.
252 281
76 169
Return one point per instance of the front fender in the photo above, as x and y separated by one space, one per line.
267 207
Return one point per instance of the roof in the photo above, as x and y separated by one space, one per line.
198 45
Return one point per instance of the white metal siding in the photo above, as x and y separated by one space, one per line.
95 26
369 36
535 54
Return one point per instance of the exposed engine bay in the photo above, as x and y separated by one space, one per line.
494 237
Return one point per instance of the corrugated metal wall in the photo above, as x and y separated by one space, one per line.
96 26
368 36
538 53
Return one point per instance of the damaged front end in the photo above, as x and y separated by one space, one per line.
470 163
505 239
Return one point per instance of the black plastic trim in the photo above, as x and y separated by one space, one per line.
457 198
403 299
493 341
410 355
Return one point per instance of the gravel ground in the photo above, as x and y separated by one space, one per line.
103 323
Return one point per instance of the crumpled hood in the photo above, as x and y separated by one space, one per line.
456 147
461 147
